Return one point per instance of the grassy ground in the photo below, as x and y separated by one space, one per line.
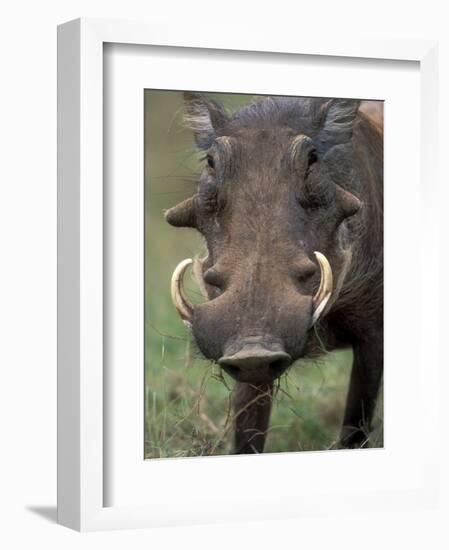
187 400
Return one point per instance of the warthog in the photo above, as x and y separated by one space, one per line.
290 204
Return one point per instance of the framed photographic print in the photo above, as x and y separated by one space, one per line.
234 297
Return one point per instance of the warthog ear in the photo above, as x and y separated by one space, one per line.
183 214
338 116
205 117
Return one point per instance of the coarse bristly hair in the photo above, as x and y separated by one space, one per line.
325 120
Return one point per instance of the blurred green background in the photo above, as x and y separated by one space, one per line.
187 399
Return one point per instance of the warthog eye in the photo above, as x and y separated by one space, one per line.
210 161
312 157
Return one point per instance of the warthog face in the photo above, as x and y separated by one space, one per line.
272 215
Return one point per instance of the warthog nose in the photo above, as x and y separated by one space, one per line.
255 363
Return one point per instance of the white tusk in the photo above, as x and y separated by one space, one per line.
324 292
180 300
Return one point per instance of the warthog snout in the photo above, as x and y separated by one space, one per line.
256 362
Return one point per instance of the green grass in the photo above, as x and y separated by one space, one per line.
187 399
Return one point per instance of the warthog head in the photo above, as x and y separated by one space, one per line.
273 217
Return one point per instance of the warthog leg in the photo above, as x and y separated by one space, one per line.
366 377
252 407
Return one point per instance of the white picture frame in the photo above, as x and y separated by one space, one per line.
82 491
